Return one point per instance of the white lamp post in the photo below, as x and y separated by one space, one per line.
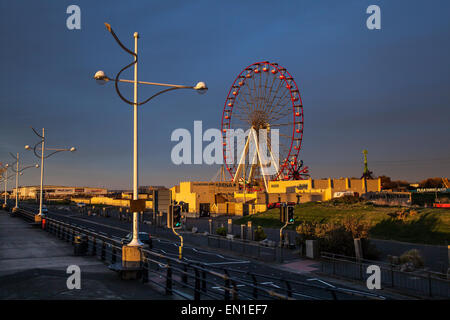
102 78
5 179
42 157
18 172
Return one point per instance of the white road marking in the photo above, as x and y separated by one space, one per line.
319 280
226 262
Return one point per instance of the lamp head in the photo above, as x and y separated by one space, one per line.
6 165
73 149
27 147
37 166
201 87
101 77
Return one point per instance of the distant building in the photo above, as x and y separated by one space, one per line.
57 192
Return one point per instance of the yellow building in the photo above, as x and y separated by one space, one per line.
226 198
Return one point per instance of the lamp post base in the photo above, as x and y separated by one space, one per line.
131 266
131 256
38 219
15 209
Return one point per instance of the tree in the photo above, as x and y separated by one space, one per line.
431 183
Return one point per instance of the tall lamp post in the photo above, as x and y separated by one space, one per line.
102 78
5 180
38 217
19 172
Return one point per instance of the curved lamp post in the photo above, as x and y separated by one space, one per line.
102 78
19 172
42 157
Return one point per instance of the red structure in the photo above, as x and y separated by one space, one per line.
264 95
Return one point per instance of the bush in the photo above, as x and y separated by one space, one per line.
338 238
260 234
221 231
412 256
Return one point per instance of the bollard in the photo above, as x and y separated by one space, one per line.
358 249
243 232
249 231
210 226
230 226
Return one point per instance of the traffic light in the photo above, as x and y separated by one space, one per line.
176 216
290 214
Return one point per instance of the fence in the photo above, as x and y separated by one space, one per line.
421 283
193 281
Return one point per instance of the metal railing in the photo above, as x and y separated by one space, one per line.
420 282
193 281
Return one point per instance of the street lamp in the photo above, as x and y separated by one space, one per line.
5 179
102 78
38 218
18 172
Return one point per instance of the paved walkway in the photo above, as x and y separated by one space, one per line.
33 265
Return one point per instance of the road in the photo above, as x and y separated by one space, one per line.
236 266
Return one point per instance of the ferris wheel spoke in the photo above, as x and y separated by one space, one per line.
269 105
270 93
278 105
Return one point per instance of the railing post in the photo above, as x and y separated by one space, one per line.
255 286
392 275
145 271
235 291
169 279
113 254
333 294
94 246
430 293
197 285
227 287
184 276
204 281
288 288
102 256
334 264
360 271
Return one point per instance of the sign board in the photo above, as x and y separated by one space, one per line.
137 205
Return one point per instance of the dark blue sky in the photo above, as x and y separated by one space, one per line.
384 90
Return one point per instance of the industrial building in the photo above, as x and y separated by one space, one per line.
228 198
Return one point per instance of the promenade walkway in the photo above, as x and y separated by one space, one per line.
33 265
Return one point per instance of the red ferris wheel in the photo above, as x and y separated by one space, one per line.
264 96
